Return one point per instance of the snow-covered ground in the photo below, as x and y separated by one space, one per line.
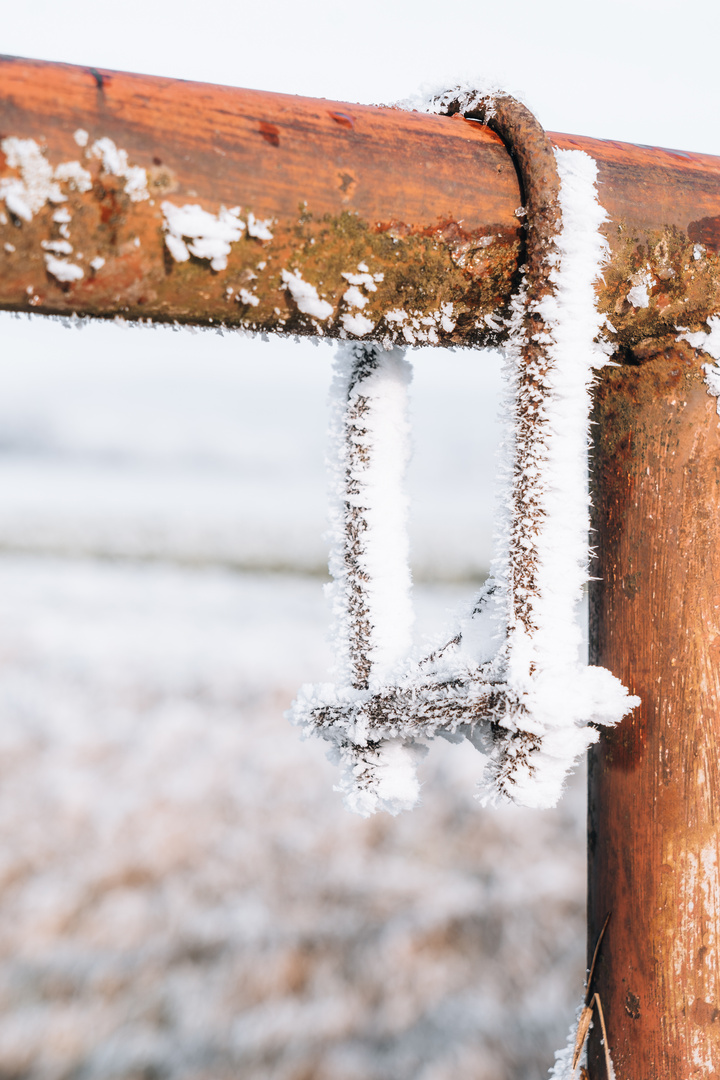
182 895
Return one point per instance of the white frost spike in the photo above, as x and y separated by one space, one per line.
562 1069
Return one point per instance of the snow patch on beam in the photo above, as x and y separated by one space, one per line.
306 296
40 184
190 230
115 163
708 341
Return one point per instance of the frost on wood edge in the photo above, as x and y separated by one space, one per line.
708 342
511 680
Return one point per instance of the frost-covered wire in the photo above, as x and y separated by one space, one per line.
370 588
369 452
511 679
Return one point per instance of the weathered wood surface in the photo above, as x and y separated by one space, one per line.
427 202
655 781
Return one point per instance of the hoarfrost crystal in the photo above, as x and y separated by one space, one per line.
709 343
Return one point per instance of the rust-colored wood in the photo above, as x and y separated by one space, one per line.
428 202
654 785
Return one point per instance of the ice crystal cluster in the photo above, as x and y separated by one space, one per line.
708 341
511 680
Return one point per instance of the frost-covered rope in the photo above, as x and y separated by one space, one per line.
511 679
370 588
369 451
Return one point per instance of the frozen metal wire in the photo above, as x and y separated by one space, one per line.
454 691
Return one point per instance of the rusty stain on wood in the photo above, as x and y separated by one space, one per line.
653 810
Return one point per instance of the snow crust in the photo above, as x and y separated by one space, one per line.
358 325
639 295
516 685
76 177
115 162
258 228
190 230
306 296
246 297
708 342
63 270
37 184
60 247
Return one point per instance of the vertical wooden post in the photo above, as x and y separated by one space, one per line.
654 784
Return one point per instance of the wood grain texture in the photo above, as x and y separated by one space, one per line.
654 782
427 201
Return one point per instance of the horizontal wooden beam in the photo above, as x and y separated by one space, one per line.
311 216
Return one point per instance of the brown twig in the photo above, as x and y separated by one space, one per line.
598 943
591 1000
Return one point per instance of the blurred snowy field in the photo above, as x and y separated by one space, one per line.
202 449
182 895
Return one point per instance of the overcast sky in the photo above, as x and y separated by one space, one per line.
636 70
